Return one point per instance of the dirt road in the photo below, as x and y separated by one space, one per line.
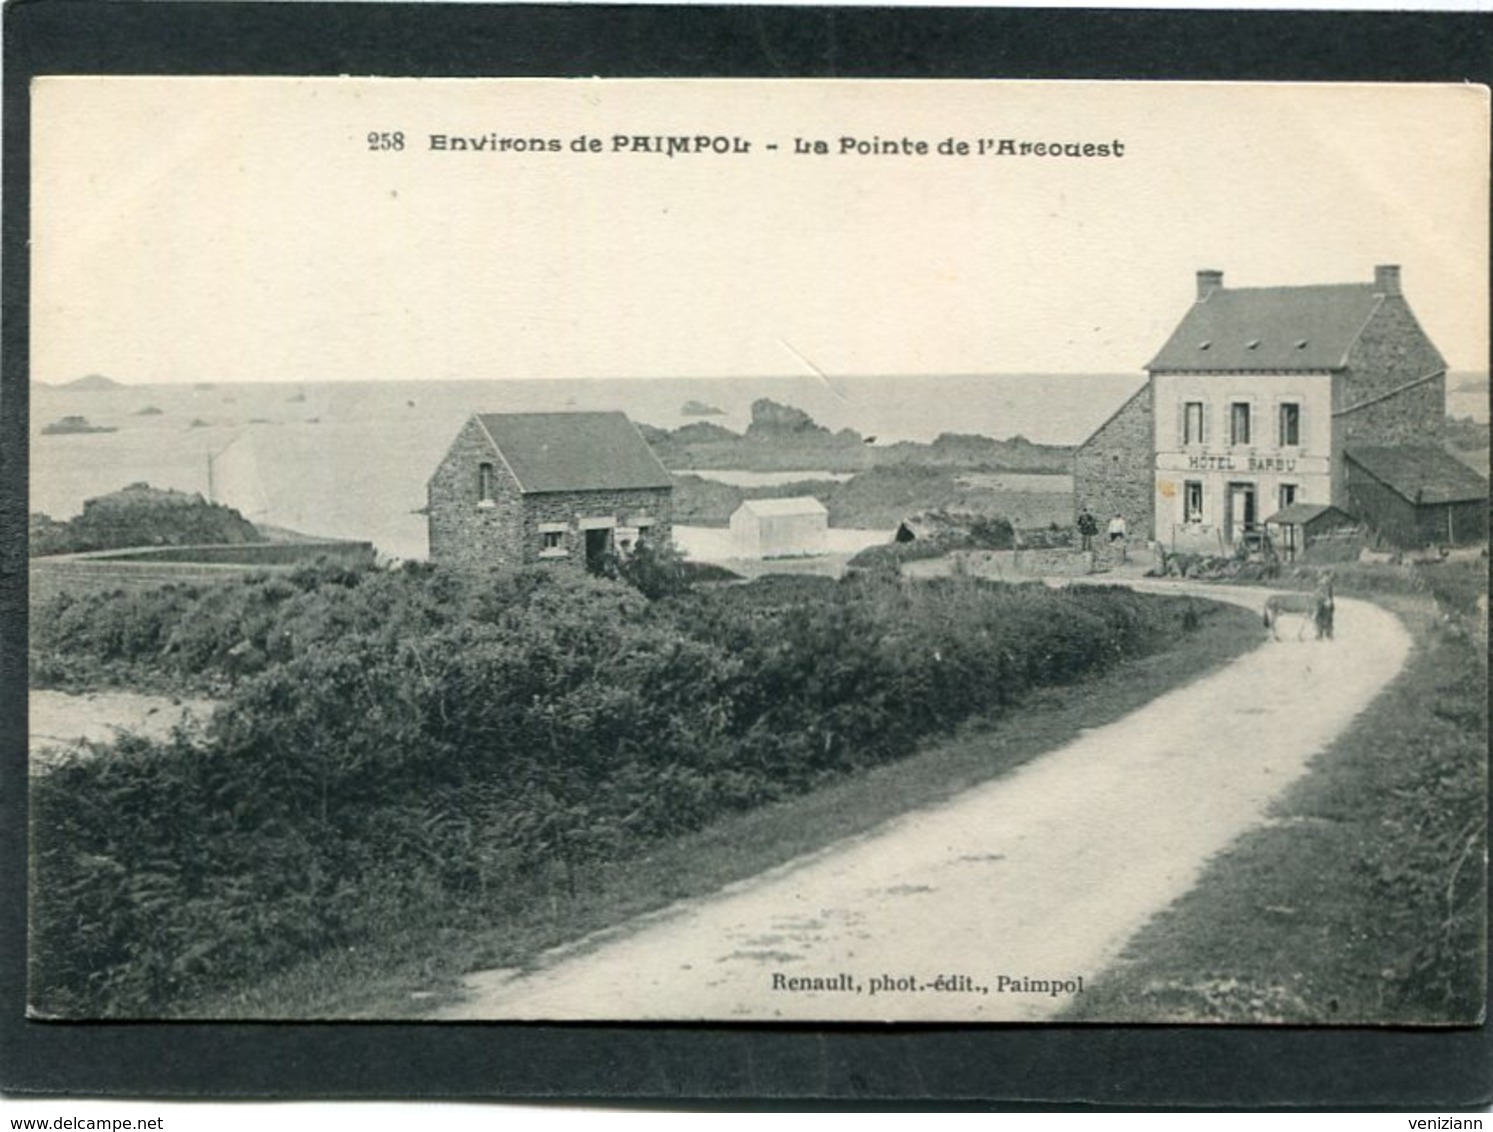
1036 878
60 721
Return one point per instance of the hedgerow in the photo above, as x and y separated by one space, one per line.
400 743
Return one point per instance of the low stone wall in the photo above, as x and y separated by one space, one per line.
1042 562
341 551
1055 562
140 568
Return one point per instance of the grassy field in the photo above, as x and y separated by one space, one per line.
1363 900
417 966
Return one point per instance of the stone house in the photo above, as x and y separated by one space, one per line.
1253 405
567 488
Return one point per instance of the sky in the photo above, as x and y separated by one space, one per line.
261 229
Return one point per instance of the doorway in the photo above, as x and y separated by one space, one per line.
598 548
1239 517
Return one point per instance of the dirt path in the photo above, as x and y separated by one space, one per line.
1039 876
60 721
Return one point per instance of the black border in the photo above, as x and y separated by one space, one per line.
757 1066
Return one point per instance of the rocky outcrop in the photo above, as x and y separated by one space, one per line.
141 515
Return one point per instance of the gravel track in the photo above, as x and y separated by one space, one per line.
1038 877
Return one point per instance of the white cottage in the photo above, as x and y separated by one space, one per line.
780 528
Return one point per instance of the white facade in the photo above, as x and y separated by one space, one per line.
780 528
1233 449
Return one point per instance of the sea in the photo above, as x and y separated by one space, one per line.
349 459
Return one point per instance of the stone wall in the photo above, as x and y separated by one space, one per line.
1115 469
1412 416
569 507
466 530
1392 352
1054 561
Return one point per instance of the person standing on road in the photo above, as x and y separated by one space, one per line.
1088 527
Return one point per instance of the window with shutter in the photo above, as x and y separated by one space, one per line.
1192 427
1239 423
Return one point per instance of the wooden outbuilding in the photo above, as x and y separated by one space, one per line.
1292 529
1418 495
780 528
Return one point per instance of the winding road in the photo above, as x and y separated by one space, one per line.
992 906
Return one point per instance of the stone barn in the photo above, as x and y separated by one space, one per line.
780 528
1254 404
567 488
1417 495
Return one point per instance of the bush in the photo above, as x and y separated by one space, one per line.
656 571
424 742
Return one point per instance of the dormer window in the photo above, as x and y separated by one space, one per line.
1252 344
1301 343
1205 345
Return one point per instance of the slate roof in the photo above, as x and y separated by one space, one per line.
574 451
1301 514
772 508
1421 473
1271 329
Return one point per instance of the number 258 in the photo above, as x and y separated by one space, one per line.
378 142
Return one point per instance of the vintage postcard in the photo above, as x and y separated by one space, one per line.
758 551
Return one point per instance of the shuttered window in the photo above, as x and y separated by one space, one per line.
1239 422
1192 423
1290 424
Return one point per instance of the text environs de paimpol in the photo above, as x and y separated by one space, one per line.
677 145
664 145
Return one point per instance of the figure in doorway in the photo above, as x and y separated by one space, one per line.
1119 535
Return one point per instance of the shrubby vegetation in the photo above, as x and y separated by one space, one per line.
416 742
945 534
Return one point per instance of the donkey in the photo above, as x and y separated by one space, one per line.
1315 609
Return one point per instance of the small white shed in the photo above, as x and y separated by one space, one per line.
780 528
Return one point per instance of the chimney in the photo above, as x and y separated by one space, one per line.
1387 279
1208 282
